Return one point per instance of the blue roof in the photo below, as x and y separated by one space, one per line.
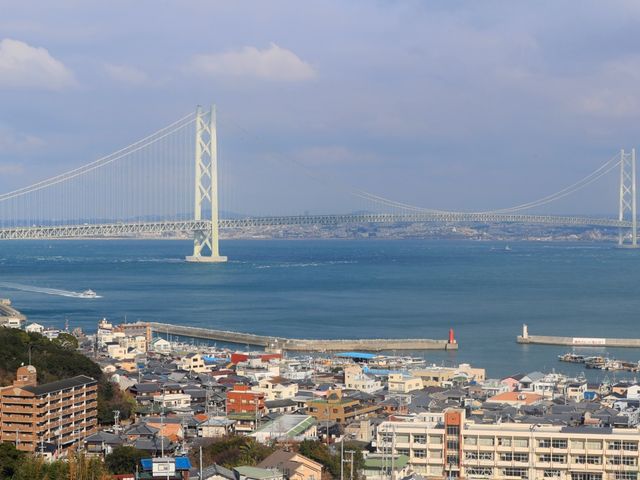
362 355
381 371
182 463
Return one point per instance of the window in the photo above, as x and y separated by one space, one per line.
516 472
514 457
586 476
420 453
485 441
421 439
504 441
628 445
588 459
558 443
437 439
577 444
551 473
453 430
482 472
452 445
521 442
626 476
553 457
471 440
402 451
453 460
622 460
594 445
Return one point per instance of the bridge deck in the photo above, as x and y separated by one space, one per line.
114 230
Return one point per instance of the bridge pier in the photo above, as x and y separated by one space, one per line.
206 247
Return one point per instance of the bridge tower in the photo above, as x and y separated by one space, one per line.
627 206
206 241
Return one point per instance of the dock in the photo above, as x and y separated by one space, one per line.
525 338
304 345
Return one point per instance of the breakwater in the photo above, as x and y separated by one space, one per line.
525 338
303 345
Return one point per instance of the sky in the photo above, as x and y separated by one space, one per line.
454 105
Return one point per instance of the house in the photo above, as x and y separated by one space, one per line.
255 473
286 405
102 443
516 399
216 427
173 401
575 391
403 383
293 465
34 328
356 379
276 388
193 363
165 468
161 346
287 428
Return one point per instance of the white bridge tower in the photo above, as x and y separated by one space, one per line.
627 207
206 241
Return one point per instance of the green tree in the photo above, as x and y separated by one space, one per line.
66 341
124 459
234 451
10 458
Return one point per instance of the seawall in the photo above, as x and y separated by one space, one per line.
579 341
303 345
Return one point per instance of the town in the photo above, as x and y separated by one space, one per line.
207 412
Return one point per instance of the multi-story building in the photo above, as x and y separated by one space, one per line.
61 413
356 379
243 400
336 408
403 383
276 388
451 446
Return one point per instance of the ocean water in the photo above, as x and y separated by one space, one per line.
346 289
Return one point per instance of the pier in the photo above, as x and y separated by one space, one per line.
525 338
305 345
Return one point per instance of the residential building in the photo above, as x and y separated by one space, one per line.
276 388
289 427
293 465
61 413
356 379
193 363
445 376
243 400
403 383
455 447
336 408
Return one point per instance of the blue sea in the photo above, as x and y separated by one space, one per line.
345 289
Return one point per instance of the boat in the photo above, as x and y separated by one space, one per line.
571 358
88 294
507 248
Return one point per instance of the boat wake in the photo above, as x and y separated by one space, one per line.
47 291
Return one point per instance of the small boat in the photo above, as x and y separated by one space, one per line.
507 248
88 294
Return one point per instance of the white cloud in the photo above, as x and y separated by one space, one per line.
24 66
11 169
126 74
273 63
13 142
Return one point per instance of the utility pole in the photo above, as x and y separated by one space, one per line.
342 458
351 453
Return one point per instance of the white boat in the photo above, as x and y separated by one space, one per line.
88 294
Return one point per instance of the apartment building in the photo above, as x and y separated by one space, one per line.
336 408
403 383
60 413
243 400
454 447
356 379
276 388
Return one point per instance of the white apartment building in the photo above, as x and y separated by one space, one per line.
355 379
453 447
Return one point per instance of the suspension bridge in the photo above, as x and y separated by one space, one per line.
167 183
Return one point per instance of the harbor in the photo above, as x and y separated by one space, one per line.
599 362
525 338
305 345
